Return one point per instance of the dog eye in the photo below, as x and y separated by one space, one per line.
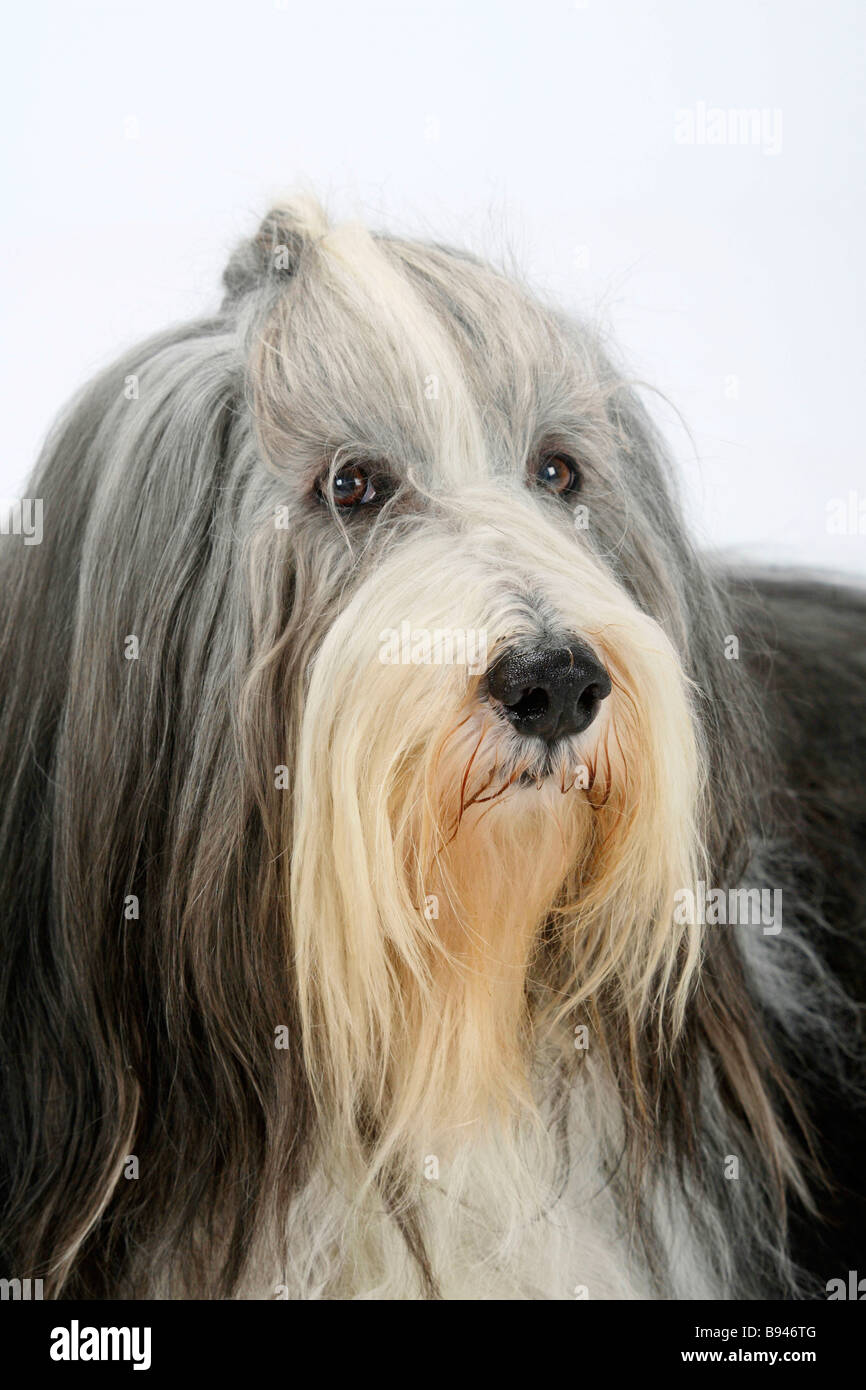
350 486
558 473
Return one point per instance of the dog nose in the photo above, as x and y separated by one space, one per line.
549 691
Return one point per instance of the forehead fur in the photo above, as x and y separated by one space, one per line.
412 351
451 374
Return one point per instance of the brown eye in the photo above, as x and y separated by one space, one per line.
558 472
351 486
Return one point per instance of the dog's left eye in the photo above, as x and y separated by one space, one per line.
350 486
558 472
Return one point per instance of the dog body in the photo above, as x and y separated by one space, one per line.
372 742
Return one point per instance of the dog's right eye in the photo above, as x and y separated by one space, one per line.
557 472
350 486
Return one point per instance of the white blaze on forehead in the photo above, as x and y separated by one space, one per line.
410 353
408 344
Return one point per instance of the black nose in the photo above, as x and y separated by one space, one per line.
548 691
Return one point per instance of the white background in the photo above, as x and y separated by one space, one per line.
143 139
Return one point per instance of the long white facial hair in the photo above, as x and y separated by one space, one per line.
424 871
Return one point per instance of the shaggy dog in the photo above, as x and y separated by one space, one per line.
421 873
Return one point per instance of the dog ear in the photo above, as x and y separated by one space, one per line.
275 251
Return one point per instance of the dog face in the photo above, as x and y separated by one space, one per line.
497 774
